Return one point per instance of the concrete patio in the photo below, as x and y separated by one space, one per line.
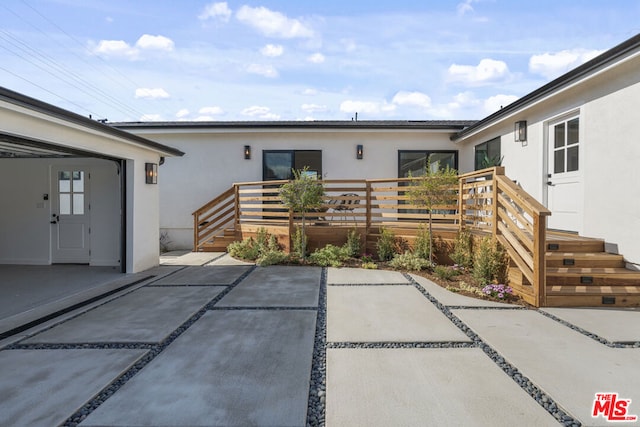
210 341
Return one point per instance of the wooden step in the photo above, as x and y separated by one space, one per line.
588 259
592 276
219 244
593 296
577 244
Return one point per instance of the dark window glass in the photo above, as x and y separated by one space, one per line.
277 165
558 162
572 131
487 154
559 136
572 158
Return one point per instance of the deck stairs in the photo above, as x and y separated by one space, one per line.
580 273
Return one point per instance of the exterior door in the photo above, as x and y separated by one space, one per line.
564 176
70 215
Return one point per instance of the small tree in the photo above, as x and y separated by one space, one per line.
302 194
436 186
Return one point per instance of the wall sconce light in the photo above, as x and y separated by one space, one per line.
151 173
359 152
247 152
520 131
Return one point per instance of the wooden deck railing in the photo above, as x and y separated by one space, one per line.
485 201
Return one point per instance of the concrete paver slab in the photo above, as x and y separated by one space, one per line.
567 365
231 368
188 257
276 286
385 313
45 387
208 275
612 324
424 387
449 298
361 276
229 260
145 315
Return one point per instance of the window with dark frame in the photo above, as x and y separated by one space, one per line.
487 154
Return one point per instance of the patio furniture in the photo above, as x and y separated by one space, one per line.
346 202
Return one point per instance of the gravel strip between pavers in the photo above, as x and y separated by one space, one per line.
534 391
401 345
153 352
318 382
614 344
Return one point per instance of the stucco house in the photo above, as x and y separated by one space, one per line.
75 190
571 144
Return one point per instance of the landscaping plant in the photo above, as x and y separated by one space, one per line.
302 194
462 254
490 262
435 187
353 243
386 244
409 261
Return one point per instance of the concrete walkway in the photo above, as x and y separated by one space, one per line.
216 342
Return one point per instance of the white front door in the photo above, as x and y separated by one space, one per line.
564 177
70 215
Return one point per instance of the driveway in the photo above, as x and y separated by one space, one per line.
215 342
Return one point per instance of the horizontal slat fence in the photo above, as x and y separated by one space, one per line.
484 201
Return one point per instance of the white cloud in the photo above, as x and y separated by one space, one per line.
495 103
463 100
151 118
412 99
263 70
182 113
465 6
273 24
314 108
211 111
219 10
316 58
151 93
367 107
309 92
272 50
115 48
147 41
259 112
551 65
487 71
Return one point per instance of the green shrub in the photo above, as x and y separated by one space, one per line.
246 249
462 250
353 243
369 265
330 255
386 244
490 262
271 257
409 261
421 246
445 273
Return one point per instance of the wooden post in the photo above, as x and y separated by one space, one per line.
539 260
196 225
494 206
291 230
367 229
236 202
461 223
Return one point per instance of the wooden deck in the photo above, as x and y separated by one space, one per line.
549 268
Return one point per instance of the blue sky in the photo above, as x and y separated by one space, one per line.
297 60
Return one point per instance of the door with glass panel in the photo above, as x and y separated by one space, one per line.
565 197
70 215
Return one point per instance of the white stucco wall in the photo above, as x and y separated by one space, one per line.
607 104
214 160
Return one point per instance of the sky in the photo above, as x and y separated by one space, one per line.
175 60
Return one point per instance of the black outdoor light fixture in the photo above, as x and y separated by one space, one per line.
359 152
520 131
151 173
247 152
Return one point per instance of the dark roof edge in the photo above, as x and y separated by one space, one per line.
569 77
51 110
328 124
